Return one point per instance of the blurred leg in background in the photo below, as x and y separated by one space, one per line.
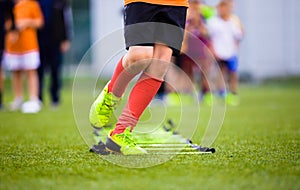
54 41
17 90
51 60
56 76
1 81
7 22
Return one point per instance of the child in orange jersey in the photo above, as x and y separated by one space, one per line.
22 54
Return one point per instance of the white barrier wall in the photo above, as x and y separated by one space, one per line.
272 43
271 46
107 20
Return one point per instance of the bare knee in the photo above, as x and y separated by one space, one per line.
162 52
137 59
161 61
139 53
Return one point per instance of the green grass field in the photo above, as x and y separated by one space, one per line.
257 148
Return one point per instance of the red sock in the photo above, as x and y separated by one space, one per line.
119 80
140 97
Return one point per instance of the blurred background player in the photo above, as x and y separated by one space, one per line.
150 48
226 35
195 49
195 64
22 54
7 23
54 40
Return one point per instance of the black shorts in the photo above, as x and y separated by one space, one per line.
147 24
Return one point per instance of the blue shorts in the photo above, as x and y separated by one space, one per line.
231 63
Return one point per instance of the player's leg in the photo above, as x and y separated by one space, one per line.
1 88
44 60
204 83
33 105
139 98
221 78
145 88
55 74
30 63
205 87
17 90
13 63
120 139
161 61
187 65
232 74
205 74
173 76
136 60
1 79
232 98
32 84
17 84
233 82
136 41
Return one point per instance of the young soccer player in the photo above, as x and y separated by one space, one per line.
21 54
225 35
150 47
194 47
7 23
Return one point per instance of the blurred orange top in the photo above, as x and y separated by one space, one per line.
26 40
161 2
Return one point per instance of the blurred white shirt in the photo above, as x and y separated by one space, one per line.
225 37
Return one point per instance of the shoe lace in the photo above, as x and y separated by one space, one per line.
127 138
108 105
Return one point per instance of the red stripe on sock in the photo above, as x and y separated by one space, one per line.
119 80
140 97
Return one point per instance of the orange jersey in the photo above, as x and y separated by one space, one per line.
27 39
161 2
